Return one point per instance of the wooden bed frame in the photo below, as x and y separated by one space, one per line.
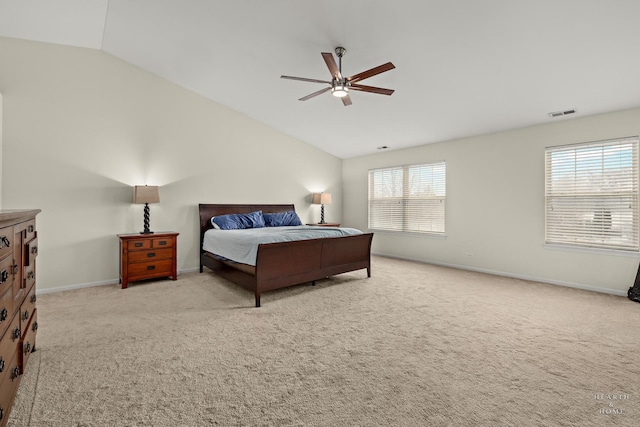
279 265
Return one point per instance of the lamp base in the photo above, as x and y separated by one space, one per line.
147 232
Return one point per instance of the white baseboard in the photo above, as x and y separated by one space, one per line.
515 276
99 283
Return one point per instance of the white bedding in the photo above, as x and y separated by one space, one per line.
242 245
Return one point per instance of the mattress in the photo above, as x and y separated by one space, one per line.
242 245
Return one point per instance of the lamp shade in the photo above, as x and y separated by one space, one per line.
321 199
146 194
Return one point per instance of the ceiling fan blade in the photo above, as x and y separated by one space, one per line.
304 79
331 64
372 72
326 89
346 100
372 89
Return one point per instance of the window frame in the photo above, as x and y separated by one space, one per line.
407 202
586 166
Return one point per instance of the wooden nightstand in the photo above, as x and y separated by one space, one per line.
327 224
148 256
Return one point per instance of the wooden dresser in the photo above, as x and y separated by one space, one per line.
148 256
18 314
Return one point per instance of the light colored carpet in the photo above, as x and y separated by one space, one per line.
414 345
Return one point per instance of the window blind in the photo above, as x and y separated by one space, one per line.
591 193
408 198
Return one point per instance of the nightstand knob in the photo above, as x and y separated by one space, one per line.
16 333
14 373
3 315
27 348
4 276
34 327
4 242
1 413
151 254
25 315
1 364
138 244
33 298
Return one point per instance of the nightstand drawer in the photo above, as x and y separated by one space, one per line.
144 270
136 245
150 255
162 243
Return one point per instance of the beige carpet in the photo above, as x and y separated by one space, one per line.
415 345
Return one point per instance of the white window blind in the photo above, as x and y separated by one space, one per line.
591 194
408 198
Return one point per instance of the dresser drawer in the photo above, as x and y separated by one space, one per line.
31 252
29 341
148 270
136 245
8 387
6 309
6 241
29 276
30 230
151 255
8 347
28 307
6 273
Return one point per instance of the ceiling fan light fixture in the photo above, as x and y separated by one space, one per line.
340 91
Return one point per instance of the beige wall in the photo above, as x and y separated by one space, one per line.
82 127
495 204
0 150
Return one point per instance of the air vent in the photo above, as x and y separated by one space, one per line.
561 113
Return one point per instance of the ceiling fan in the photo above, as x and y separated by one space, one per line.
340 85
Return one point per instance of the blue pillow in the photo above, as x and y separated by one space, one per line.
281 219
239 221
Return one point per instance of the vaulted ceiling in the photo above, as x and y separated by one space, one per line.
463 67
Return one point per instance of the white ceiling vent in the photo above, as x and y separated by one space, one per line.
561 113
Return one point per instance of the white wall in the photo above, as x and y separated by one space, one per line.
495 204
82 127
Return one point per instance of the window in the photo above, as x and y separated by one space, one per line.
408 198
591 193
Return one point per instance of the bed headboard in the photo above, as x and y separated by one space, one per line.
209 210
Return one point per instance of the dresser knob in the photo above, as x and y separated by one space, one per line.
3 314
34 250
15 269
33 299
151 267
27 348
14 373
31 228
4 276
16 333
25 315
1 364
151 254
34 327
138 244
30 274
1 413
4 242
